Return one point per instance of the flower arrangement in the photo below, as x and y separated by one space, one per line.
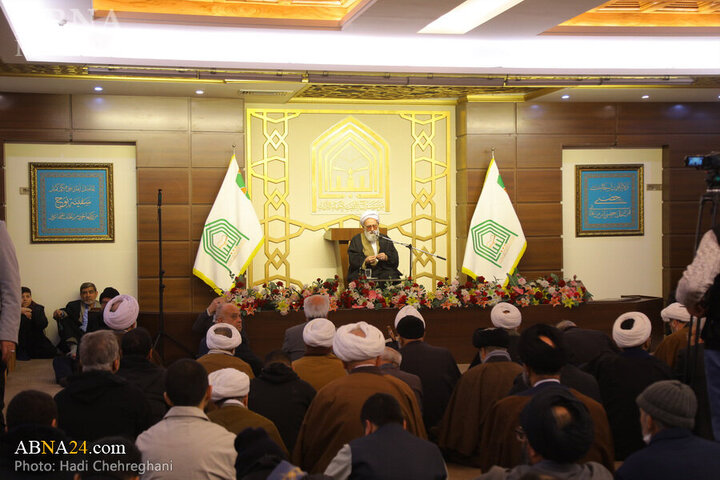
373 295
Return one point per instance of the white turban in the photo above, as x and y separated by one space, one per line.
505 315
221 342
353 348
408 310
633 333
228 383
121 312
675 311
319 332
369 214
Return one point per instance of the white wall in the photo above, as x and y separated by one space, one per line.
614 266
54 271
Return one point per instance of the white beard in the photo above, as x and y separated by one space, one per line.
371 237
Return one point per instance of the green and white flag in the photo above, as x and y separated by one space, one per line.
496 242
232 234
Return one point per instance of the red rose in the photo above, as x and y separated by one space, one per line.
561 283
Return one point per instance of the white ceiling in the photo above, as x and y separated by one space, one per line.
382 39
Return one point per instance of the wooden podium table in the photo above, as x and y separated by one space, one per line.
341 238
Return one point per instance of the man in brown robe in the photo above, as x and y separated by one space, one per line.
476 391
319 366
222 340
677 318
230 390
542 351
333 418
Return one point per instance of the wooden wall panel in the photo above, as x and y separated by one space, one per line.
666 118
680 250
217 115
198 216
681 218
176 259
216 149
683 184
479 150
34 111
55 135
202 293
490 118
174 183
175 299
542 254
206 184
539 185
545 151
557 118
531 275
476 178
153 149
671 277
541 219
116 112
176 222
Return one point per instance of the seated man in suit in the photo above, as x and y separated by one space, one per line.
32 342
367 251
73 319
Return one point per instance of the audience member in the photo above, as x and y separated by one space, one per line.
9 307
228 313
677 318
507 316
197 447
480 387
387 451
667 413
542 352
137 369
31 416
260 458
332 419
97 403
623 376
583 344
32 342
319 366
435 366
314 306
223 339
391 360
230 390
95 316
120 313
556 431
279 395
73 319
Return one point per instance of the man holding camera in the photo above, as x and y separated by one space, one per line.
699 291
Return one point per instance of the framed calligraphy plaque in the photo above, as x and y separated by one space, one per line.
608 200
71 202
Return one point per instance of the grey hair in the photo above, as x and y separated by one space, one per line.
98 350
316 306
565 324
391 355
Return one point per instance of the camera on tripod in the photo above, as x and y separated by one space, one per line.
709 162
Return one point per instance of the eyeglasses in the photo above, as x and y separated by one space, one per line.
371 228
520 434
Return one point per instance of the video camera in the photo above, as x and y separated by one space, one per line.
709 162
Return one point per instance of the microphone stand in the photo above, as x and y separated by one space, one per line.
410 248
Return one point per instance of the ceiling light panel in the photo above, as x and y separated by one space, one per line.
469 15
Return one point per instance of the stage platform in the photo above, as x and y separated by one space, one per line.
447 328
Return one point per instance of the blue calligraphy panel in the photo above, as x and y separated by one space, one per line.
611 200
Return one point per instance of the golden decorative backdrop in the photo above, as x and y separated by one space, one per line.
309 170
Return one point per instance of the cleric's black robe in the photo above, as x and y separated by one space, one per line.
383 269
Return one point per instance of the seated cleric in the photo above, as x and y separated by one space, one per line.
368 250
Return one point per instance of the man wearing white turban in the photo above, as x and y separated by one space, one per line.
507 316
677 318
368 251
222 339
314 306
319 366
332 419
436 366
230 389
121 313
623 376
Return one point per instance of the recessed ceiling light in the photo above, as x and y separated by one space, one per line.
98 89
468 15
645 97
565 97
199 92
